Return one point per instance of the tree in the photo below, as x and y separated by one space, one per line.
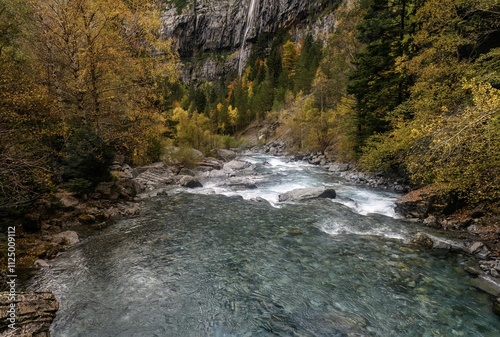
105 63
307 63
377 85
28 127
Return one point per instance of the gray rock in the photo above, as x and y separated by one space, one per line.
41 264
437 242
423 240
488 284
302 194
339 167
474 247
226 155
430 221
241 183
67 199
68 238
34 314
237 165
189 182
187 172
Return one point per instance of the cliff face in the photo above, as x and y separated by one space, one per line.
223 30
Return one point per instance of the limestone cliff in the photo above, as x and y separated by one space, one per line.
223 30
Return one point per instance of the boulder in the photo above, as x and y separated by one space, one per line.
153 176
422 239
211 163
339 167
226 155
301 194
67 199
241 183
68 238
108 190
189 182
34 314
437 242
496 306
424 201
237 165
488 284
41 264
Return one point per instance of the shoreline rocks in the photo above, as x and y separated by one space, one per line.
34 314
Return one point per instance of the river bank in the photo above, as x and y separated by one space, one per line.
160 179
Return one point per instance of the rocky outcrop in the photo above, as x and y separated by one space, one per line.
301 194
34 312
221 27
420 203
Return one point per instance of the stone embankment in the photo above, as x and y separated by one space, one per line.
33 314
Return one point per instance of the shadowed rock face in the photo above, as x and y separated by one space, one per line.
218 26
34 314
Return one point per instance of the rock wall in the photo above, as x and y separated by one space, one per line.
34 314
217 28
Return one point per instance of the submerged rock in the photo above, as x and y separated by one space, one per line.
437 242
301 194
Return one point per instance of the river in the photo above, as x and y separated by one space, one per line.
232 261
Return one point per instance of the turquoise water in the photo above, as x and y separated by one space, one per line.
213 262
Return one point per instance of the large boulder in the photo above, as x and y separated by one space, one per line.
422 202
226 155
34 312
301 194
153 176
236 165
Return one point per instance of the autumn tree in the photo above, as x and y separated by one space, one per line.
104 64
442 134
28 127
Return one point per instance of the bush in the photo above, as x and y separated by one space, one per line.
87 158
181 156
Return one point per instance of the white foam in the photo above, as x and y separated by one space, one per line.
336 228
365 201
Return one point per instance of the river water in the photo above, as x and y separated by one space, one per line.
215 262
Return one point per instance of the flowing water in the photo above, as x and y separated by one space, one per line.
229 261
